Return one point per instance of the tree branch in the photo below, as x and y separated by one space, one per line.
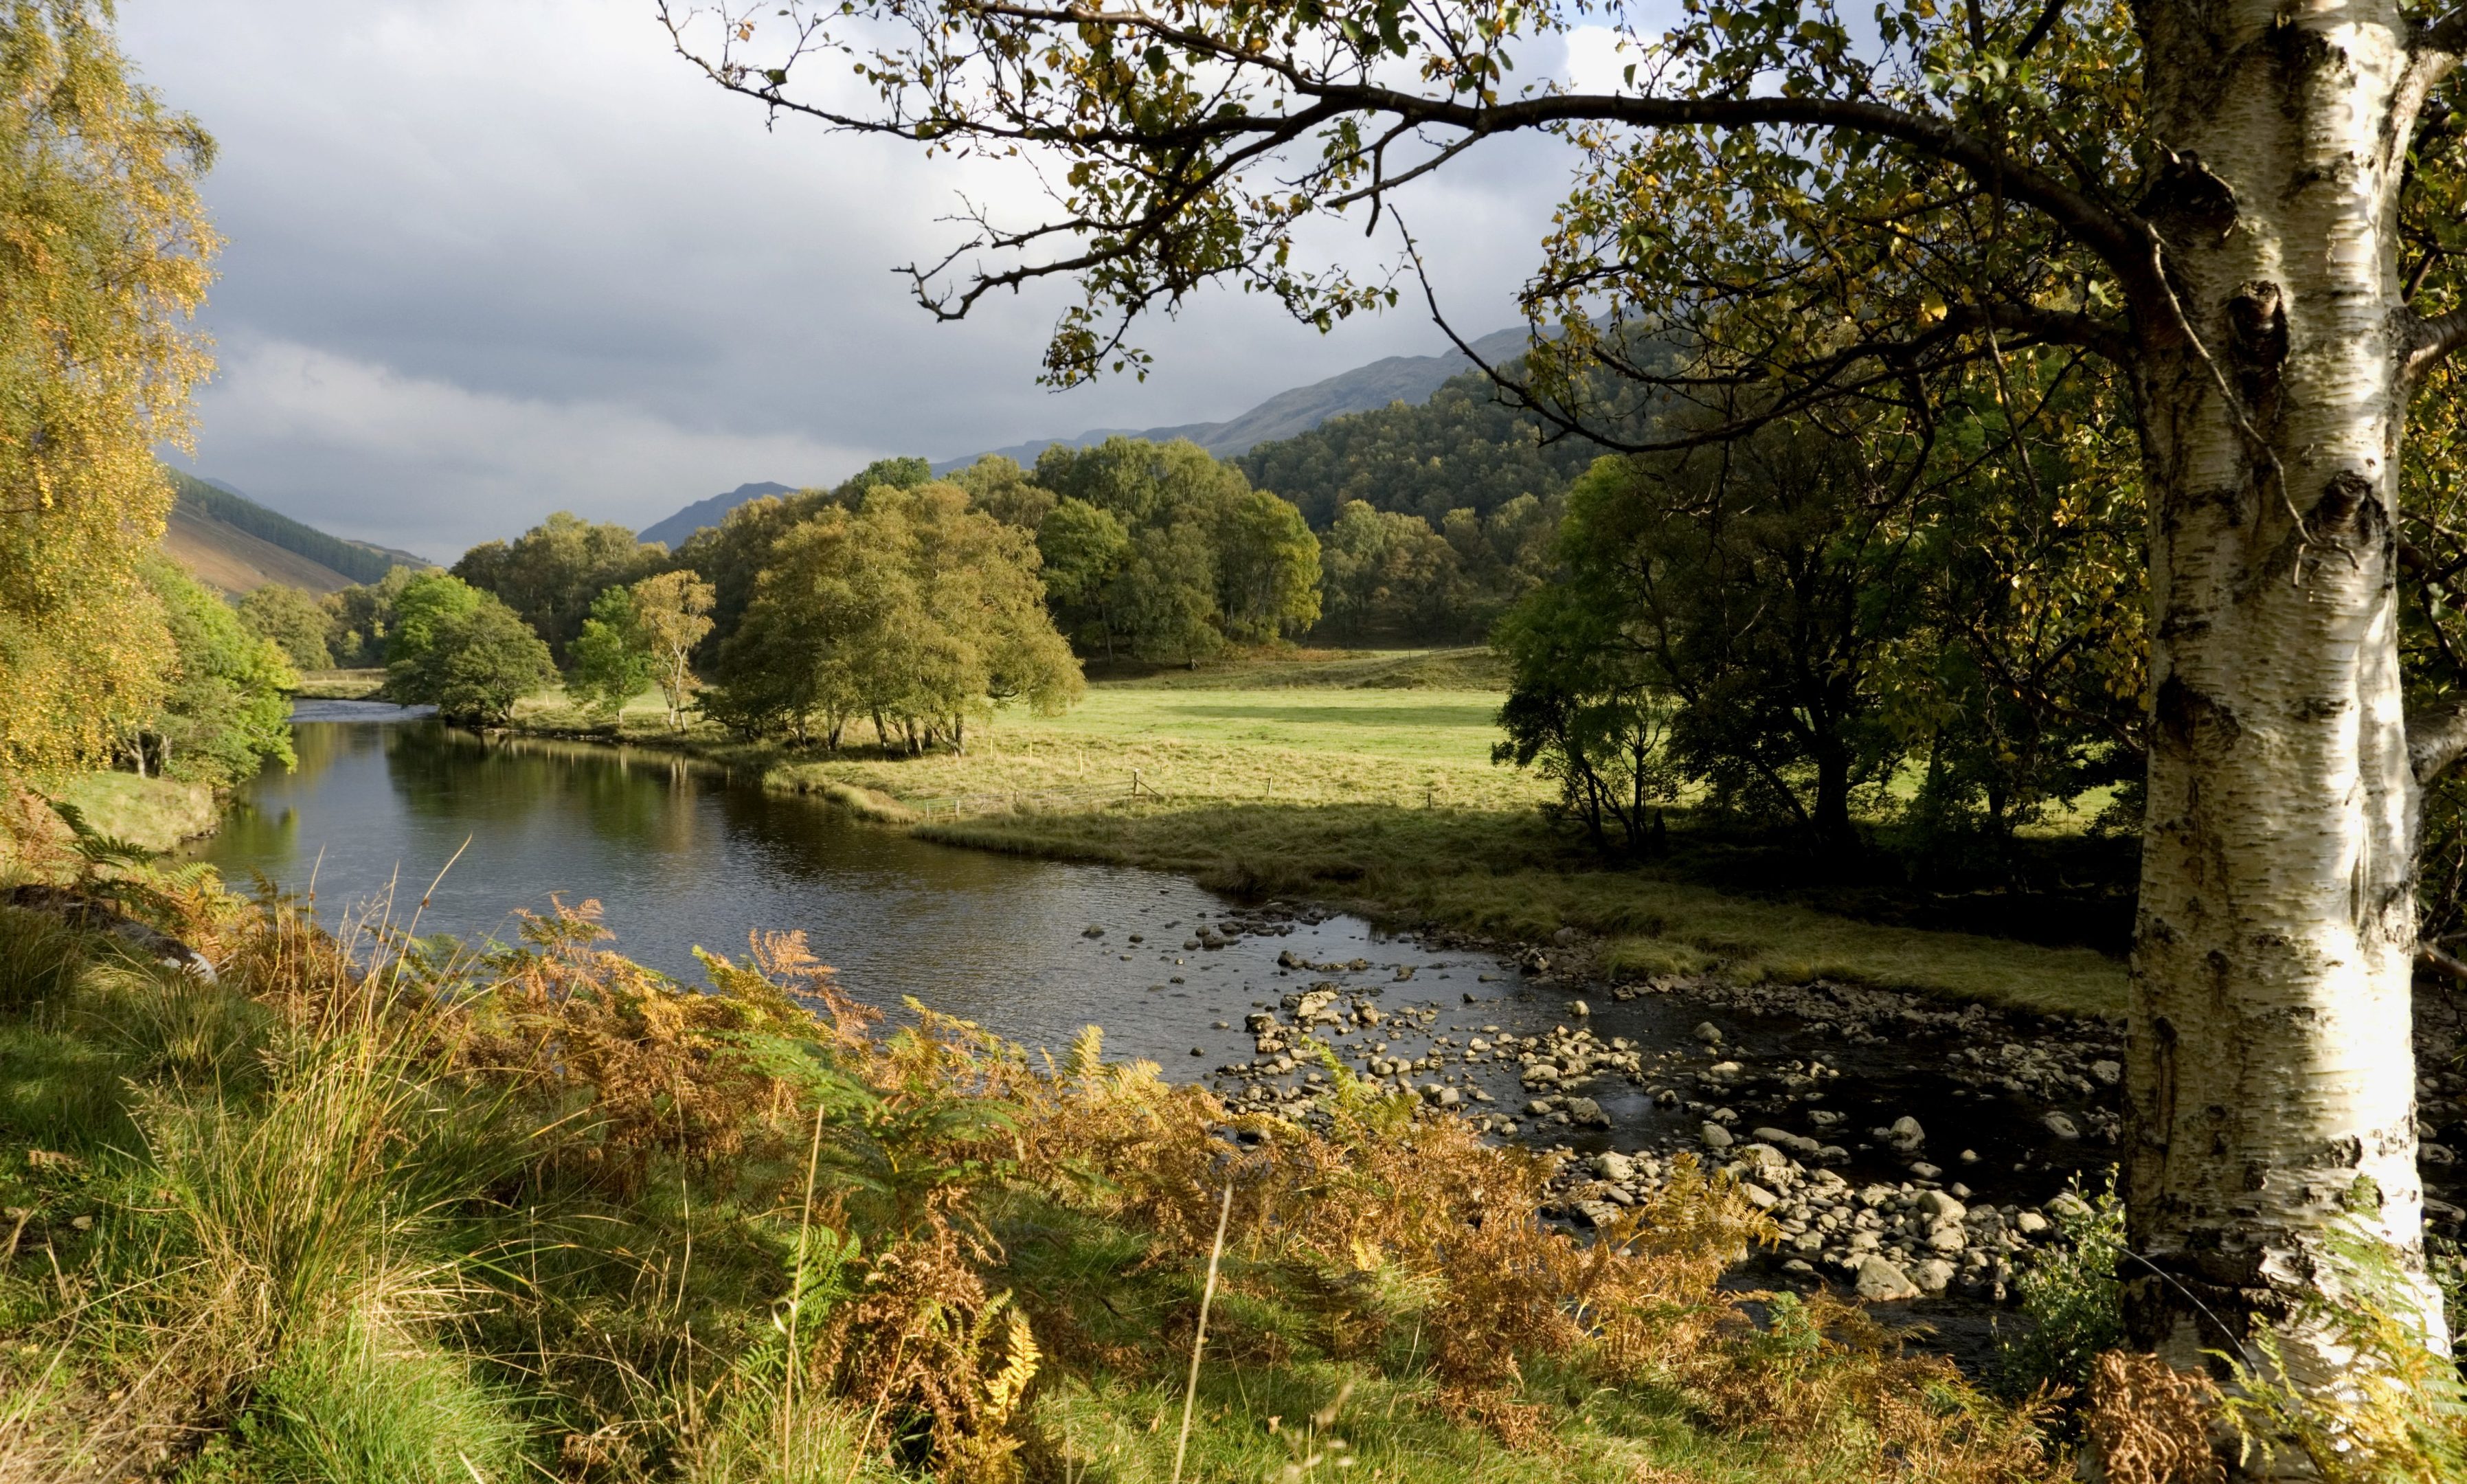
2441 959
2429 340
2435 739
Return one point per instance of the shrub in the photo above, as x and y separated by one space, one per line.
2072 1299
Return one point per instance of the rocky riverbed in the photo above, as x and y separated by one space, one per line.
1910 1149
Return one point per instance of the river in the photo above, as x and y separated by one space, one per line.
679 854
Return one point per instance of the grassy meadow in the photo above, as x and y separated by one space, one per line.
1363 779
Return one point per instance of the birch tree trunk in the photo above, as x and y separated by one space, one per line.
2271 1073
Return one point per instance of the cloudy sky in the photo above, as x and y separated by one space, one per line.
488 259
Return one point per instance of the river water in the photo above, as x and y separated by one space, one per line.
680 855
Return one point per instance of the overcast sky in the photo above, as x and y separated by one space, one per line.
489 258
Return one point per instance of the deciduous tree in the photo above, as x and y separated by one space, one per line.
609 662
552 574
105 258
672 614
294 619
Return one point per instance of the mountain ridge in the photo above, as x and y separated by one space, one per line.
1288 414
234 544
1296 410
672 532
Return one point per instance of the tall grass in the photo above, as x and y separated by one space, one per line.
368 1215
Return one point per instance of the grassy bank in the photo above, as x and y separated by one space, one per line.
544 1215
340 684
155 813
1365 780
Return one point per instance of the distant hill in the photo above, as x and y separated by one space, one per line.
1398 378
235 544
672 532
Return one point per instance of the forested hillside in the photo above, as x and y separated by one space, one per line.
1464 448
201 543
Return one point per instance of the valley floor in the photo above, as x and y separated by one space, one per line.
1365 780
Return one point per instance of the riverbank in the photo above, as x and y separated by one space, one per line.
156 814
1365 782
303 1221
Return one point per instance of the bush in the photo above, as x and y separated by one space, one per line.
2073 1300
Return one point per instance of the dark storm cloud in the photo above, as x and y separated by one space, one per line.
488 260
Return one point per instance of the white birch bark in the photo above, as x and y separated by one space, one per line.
2272 1072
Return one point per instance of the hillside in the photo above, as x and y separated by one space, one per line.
672 532
232 544
1291 412
1404 378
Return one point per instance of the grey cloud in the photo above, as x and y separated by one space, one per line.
491 259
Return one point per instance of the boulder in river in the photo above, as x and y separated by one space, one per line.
1880 1282
1715 1137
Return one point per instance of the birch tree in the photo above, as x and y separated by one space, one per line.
2208 195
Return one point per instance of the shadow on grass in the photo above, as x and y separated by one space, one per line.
1514 875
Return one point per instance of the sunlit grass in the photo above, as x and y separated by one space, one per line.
157 813
1364 779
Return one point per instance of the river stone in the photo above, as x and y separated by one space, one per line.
1937 1206
1932 1275
1758 1197
1715 1137
1586 1114
1611 1165
1579 1009
2107 1072
2067 1205
2061 1125
1798 1144
1313 1006
1709 1033
1880 1282
1907 1132
1594 1213
2029 1223
1092 931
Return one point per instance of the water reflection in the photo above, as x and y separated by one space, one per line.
681 855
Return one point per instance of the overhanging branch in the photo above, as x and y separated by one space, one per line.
2435 739
2429 340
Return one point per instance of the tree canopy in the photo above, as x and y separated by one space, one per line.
550 574
912 610
106 259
